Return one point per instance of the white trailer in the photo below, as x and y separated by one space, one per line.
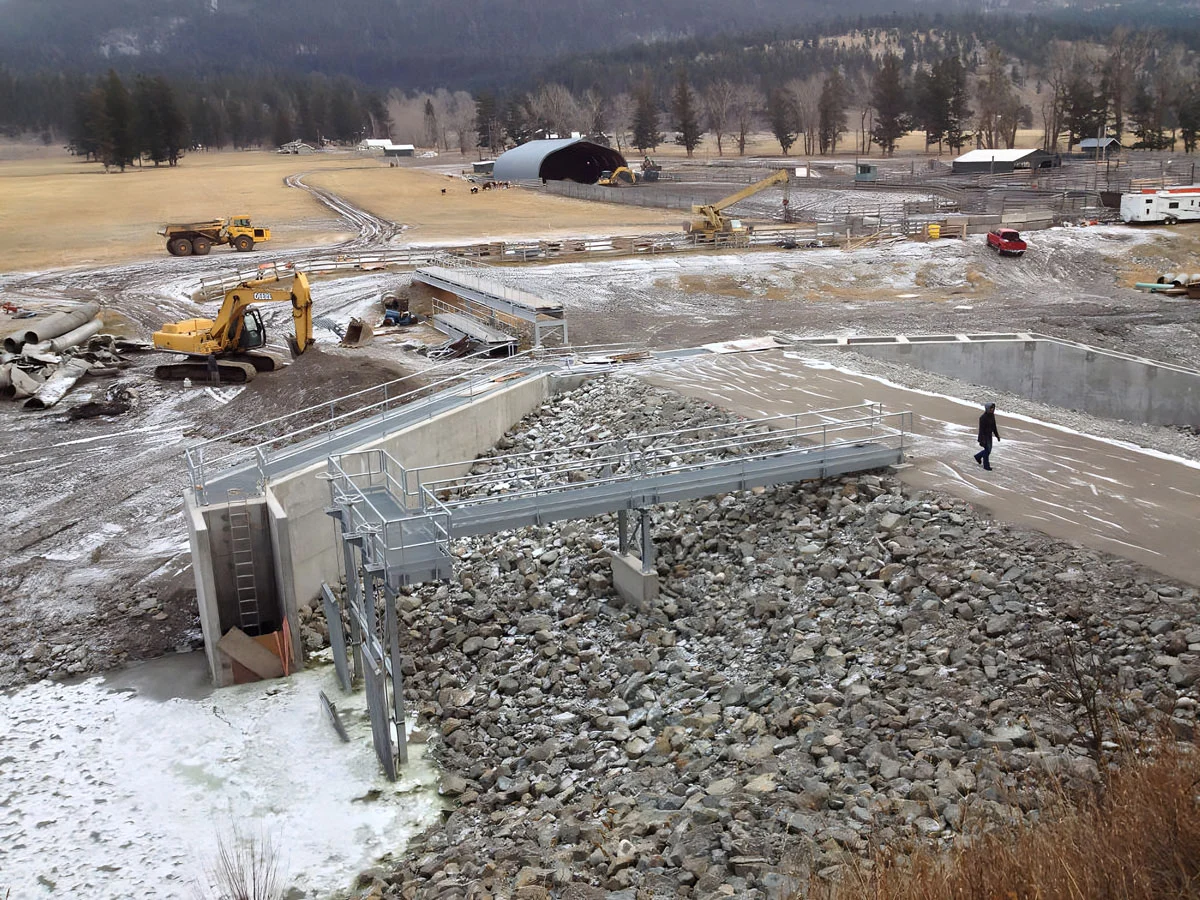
1169 205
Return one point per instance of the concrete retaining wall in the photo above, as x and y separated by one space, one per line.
1072 376
459 434
296 544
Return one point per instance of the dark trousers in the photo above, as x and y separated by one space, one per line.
984 456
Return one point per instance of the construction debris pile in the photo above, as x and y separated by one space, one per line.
1174 284
42 361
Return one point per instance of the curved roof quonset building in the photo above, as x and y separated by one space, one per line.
564 159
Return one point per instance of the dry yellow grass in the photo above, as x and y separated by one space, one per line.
764 144
59 211
1138 839
414 198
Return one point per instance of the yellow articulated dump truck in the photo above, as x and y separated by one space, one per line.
198 237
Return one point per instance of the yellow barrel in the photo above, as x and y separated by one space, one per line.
935 232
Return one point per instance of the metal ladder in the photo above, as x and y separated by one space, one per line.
242 547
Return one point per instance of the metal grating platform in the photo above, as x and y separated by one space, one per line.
406 518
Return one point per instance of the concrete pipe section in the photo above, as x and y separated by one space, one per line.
51 327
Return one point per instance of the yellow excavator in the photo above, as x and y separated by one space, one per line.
619 177
711 222
221 349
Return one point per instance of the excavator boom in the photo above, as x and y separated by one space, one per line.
712 222
225 345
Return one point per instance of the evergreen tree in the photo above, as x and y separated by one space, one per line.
148 131
119 145
89 127
1085 109
1147 117
953 76
1189 118
892 120
172 123
646 135
687 121
487 122
782 116
831 109
929 105
432 131
282 131
516 121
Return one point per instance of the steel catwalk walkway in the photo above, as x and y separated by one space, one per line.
403 520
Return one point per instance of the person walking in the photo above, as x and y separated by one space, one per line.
987 430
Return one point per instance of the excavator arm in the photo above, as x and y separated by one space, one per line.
237 328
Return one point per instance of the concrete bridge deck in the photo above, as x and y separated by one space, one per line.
1134 503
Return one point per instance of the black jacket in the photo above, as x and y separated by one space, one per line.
987 428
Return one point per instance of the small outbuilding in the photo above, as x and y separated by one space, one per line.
561 159
1107 146
1001 162
865 172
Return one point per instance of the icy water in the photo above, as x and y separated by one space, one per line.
122 786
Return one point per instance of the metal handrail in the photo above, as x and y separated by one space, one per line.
740 425
561 486
387 535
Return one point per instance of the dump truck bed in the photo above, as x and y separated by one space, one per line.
171 228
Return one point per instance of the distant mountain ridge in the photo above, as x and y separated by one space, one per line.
408 43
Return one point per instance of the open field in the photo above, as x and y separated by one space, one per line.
59 211
763 143
414 198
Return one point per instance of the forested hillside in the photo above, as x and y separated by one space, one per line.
963 77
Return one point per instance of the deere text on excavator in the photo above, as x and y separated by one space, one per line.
221 349
712 223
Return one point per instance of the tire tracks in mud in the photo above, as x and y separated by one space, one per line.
373 231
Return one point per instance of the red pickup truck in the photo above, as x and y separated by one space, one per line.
1006 241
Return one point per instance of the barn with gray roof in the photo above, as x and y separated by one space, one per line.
560 159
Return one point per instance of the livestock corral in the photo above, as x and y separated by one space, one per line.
739 688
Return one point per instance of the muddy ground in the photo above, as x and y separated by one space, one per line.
96 557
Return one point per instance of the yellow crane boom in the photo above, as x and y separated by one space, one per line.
712 222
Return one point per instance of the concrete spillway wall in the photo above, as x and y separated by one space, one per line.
1049 370
297 540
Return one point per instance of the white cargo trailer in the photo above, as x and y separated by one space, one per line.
1170 205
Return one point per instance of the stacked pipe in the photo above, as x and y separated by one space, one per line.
51 327
46 341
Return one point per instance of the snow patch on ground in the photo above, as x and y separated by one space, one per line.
112 790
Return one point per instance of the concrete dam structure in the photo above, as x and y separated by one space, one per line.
1049 370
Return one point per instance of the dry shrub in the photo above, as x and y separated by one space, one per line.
246 868
1137 839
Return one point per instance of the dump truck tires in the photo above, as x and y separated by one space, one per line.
244 243
180 247
201 246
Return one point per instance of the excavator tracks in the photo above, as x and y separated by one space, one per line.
230 370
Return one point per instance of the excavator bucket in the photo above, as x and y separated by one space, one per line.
358 333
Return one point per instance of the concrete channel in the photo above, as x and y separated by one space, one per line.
1135 503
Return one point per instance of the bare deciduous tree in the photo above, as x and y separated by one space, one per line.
806 94
594 105
620 118
718 110
743 113
461 115
555 109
